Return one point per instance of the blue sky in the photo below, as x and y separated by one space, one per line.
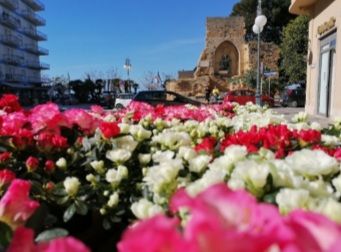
96 36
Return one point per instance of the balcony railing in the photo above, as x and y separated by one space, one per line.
35 4
11 40
37 65
36 35
12 59
9 21
33 18
10 4
35 49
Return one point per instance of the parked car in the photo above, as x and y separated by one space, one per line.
123 100
293 96
107 99
243 96
166 98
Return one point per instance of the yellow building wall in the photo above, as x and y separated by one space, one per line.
323 11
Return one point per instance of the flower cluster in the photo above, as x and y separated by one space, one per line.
116 166
219 219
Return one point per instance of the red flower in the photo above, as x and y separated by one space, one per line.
4 156
49 166
109 129
337 153
16 206
207 145
49 186
48 141
97 109
9 103
32 164
6 177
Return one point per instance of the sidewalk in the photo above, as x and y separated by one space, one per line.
290 112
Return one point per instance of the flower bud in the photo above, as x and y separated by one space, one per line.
113 200
32 164
49 166
98 166
61 163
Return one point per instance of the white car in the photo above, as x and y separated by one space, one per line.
123 100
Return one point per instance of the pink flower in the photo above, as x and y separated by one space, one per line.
313 232
157 234
109 129
16 206
32 164
97 109
23 242
82 119
6 177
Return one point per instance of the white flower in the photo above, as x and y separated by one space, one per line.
118 155
199 163
91 178
144 158
330 140
122 171
140 133
160 177
312 163
144 209
113 200
315 126
98 166
187 153
236 152
291 199
284 176
173 140
163 156
124 128
71 185
126 142
114 176
337 184
61 163
330 208
253 174
300 117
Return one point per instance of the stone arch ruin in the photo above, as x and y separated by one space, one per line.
226 60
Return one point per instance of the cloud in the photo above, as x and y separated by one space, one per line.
173 45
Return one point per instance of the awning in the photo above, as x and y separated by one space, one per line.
302 7
18 86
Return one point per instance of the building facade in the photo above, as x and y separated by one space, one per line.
20 66
226 57
324 55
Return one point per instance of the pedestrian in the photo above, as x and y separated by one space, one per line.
216 93
208 94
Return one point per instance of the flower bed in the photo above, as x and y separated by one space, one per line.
93 173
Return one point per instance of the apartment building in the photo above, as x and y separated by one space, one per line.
324 55
20 66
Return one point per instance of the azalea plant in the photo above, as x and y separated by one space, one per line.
114 167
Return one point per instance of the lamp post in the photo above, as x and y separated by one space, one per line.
257 28
127 66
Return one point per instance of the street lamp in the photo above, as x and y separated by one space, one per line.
257 28
127 66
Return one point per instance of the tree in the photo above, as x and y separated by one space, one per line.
294 49
276 11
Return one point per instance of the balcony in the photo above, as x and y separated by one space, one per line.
9 77
33 18
34 79
11 40
36 35
10 4
35 49
302 7
37 65
12 59
36 5
9 21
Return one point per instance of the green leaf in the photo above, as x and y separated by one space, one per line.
5 234
63 200
59 191
106 224
51 234
81 207
69 212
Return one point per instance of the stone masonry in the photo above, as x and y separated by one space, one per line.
225 56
